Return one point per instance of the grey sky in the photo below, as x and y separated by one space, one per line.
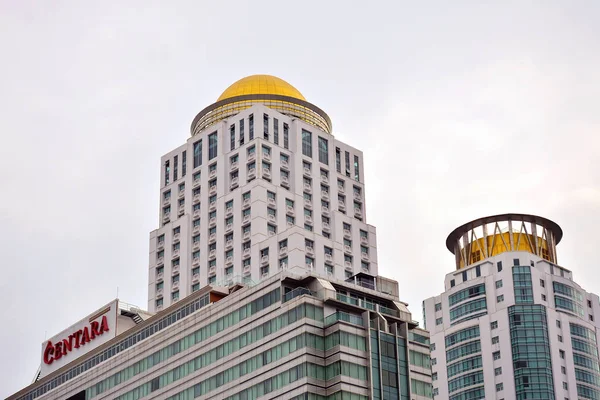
463 109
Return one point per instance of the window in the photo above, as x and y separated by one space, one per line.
565 386
496 355
196 271
347 159
159 303
167 172
495 340
251 126
563 369
516 262
160 270
323 151
338 160
289 203
309 261
306 143
452 283
499 266
183 163
356 177
266 151
232 137
195 287
176 278
542 283
589 303
438 306
241 132
500 298
176 230
167 195
478 271
198 153
561 353
543 297
498 371
290 220
439 321
159 286
557 323
266 126
272 229
196 177
276 131
175 161
286 139
499 387
499 284
560 338
212 145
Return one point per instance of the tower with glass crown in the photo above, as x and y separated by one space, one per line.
512 323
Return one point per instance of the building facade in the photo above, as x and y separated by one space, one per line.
512 323
263 274
260 185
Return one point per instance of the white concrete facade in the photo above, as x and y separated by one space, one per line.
328 198
496 347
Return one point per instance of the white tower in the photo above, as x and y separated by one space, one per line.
260 185
512 323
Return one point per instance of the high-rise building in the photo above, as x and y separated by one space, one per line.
263 274
260 185
512 323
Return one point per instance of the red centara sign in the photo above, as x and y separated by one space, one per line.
75 340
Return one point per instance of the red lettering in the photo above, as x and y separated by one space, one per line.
85 337
67 345
48 352
94 329
77 335
104 325
58 351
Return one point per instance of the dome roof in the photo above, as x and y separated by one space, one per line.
261 84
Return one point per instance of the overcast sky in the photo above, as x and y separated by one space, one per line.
461 110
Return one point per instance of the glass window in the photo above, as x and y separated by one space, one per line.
212 145
198 153
232 137
338 160
323 151
251 126
306 143
241 132
183 163
286 140
167 172
266 126
275 131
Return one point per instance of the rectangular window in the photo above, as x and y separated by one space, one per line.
167 172
498 371
198 153
251 126
175 166
323 151
495 340
232 137
500 298
494 325
276 131
266 126
496 355
338 159
347 159
286 138
499 284
306 143
439 321
356 176
183 163
212 145
241 132
499 265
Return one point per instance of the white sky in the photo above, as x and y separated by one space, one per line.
463 109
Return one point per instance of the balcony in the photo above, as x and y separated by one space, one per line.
357 196
266 173
176 237
167 217
341 189
251 173
212 190
175 285
196 213
271 218
196 228
229 244
166 202
364 240
212 222
347 234
212 270
246 219
160 261
159 293
326 226
229 260
348 265
246 235
251 156
195 278
300 291
357 212
228 228
308 219
266 156
196 245
160 276
212 238
229 211
264 259
264 275
175 269
341 206
271 201
308 204
212 254
347 249
196 261
246 203
307 171
234 182
212 206
289 210
283 265
365 256
328 258
307 188
175 253
233 166
325 195
246 253
160 245
345 317
285 164
246 268
196 183
324 179
310 250
180 211
282 251
181 194
196 199
285 181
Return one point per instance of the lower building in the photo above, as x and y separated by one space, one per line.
296 335
512 323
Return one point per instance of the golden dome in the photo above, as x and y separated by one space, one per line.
261 84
